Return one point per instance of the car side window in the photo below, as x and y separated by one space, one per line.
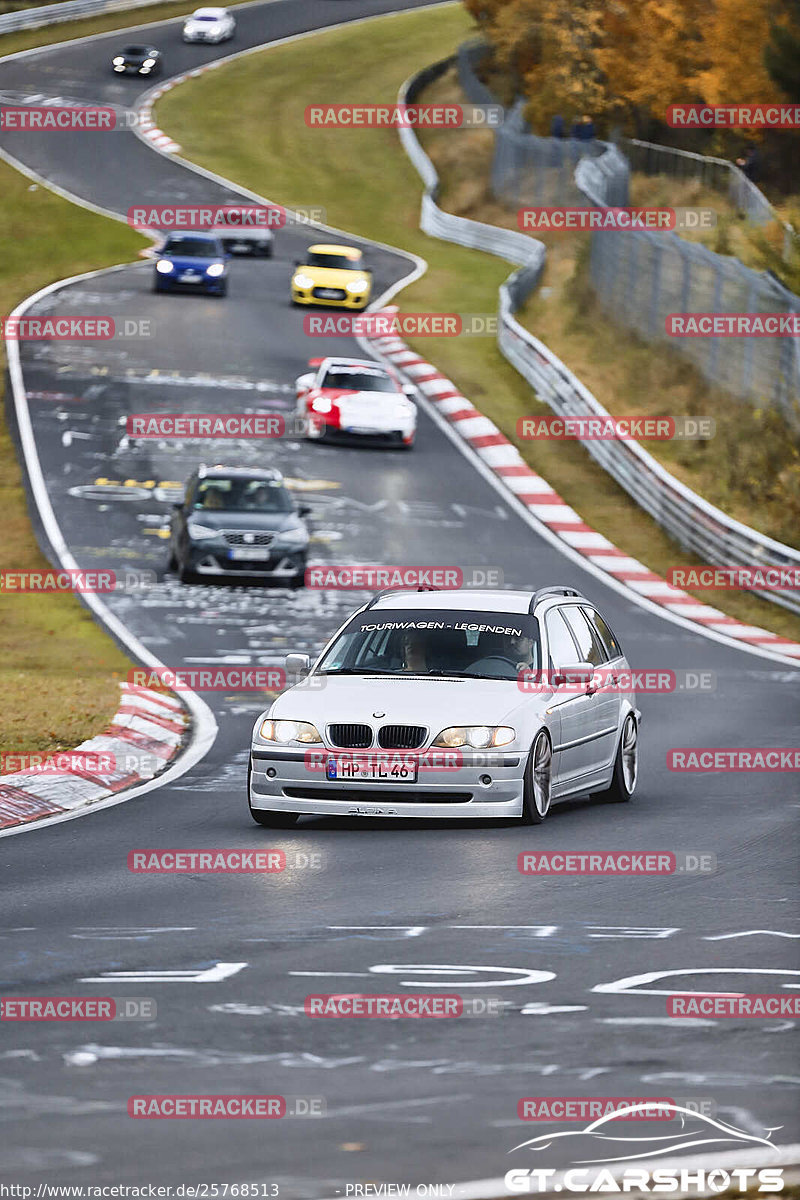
590 647
603 631
560 642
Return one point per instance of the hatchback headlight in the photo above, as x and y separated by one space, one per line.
303 281
164 266
289 731
293 537
321 404
149 62
479 737
199 533
358 286
119 61
215 269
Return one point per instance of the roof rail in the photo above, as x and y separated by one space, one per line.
556 590
394 591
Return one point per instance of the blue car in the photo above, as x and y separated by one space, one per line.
192 262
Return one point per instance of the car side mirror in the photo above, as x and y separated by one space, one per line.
581 672
305 510
297 664
304 382
409 391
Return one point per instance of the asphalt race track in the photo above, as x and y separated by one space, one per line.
407 1101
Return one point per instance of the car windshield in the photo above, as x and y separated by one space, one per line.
342 262
192 247
358 380
204 17
446 642
242 495
136 51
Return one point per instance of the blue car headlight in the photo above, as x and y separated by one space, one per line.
164 266
215 270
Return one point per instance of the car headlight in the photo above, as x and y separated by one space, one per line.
303 281
480 737
358 286
215 269
289 731
164 266
199 533
321 404
293 537
149 62
119 61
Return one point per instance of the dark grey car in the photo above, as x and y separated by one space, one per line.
239 521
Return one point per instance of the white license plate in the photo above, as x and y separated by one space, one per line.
373 768
250 553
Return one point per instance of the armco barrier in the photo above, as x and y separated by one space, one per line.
68 10
694 523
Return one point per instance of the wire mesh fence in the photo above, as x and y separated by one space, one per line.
641 277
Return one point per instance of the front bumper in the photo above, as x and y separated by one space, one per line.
306 296
210 284
438 793
212 559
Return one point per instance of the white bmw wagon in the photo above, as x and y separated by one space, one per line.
444 704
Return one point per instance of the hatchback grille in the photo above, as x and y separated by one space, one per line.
401 737
235 537
327 293
351 736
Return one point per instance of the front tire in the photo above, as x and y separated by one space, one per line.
626 765
537 790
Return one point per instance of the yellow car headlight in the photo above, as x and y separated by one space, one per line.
479 737
303 281
358 287
285 732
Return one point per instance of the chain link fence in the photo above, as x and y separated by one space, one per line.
688 518
641 277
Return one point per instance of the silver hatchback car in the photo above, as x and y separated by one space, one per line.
451 704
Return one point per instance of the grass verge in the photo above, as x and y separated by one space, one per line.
59 672
367 185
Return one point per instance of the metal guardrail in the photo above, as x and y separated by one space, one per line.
694 523
68 10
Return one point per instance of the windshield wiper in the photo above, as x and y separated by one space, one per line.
357 671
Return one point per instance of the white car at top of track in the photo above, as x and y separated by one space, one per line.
209 25
353 397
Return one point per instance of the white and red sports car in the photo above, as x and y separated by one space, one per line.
352 397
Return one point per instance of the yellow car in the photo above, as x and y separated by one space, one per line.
332 275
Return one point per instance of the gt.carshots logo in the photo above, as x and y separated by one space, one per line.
618 1147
